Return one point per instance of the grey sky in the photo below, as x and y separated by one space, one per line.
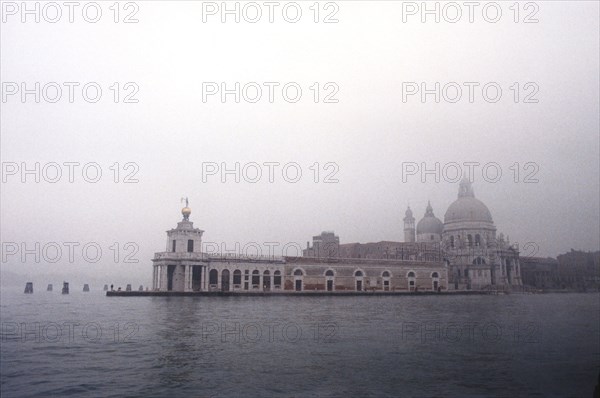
369 133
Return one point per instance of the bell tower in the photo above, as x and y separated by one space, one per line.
409 226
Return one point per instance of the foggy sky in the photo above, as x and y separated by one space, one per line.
368 134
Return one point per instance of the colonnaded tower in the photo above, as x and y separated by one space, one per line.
181 267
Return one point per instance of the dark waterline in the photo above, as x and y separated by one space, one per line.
88 345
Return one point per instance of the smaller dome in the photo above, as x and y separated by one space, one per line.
408 213
430 224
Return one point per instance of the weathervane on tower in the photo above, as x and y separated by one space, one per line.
186 211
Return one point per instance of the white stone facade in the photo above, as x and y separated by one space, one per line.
184 268
476 258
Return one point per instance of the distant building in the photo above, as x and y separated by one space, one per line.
325 245
541 273
574 270
390 250
579 270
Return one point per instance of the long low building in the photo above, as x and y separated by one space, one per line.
183 267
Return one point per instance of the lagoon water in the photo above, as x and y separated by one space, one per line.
89 345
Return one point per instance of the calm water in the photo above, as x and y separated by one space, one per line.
89 345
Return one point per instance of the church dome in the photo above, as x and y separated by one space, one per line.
467 207
430 224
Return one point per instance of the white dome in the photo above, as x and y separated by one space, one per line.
467 207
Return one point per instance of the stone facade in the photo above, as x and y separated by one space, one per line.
477 259
184 268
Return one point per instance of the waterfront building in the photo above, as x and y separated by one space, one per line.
183 267
540 272
579 270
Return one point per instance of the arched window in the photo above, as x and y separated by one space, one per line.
237 277
329 273
255 277
190 247
435 282
277 278
213 277
386 280
267 280
359 281
411 281
469 240
477 240
298 286
452 241
225 280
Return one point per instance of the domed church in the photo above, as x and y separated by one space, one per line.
476 258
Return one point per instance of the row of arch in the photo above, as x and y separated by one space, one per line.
247 280
359 273
359 284
268 281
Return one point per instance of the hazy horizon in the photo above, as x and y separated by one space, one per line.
364 140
